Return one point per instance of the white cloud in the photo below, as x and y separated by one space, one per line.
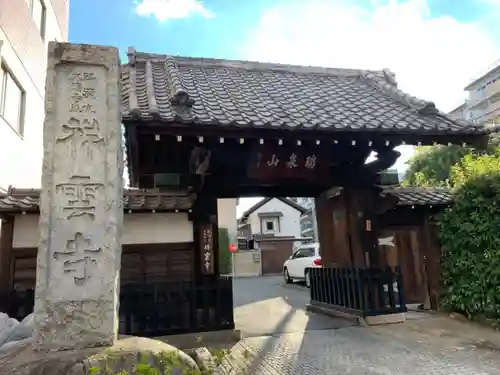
433 57
172 9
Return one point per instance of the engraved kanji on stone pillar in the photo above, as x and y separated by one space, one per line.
81 213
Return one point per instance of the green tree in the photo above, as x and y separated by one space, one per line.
470 238
431 166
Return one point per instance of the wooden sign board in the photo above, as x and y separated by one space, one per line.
207 248
276 163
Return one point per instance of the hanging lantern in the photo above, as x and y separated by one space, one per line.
232 248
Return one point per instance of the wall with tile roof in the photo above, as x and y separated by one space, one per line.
138 228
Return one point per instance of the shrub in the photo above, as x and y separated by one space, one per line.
470 238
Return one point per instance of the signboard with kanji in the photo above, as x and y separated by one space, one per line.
276 163
207 249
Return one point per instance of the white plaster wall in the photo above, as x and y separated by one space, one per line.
226 210
289 222
25 53
245 266
138 228
21 156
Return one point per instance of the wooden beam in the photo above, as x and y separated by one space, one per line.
7 236
394 138
132 154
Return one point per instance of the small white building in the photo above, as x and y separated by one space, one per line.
274 224
278 217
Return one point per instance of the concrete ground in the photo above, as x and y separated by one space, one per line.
282 338
267 306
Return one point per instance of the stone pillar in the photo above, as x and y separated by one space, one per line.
81 212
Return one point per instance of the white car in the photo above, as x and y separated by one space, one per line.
306 256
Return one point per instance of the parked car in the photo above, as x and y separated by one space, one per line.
296 267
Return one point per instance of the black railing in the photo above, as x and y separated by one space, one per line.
361 291
18 304
181 307
160 309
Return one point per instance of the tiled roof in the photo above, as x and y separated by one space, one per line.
27 200
263 201
262 95
420 196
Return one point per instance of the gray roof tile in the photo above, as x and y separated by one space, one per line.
18 200
420 196
248 94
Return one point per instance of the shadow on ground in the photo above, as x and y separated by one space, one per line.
266 306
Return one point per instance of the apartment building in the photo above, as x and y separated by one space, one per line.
26 28
308 220
483 104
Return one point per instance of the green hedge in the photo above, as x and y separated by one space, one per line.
470 239
224 254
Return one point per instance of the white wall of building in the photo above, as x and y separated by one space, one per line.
24 53
226 211
289 223
138 228
483 105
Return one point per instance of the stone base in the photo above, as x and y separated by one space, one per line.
385 319
200 339
123 356
364 321
335 313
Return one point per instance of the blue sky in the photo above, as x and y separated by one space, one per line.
435 47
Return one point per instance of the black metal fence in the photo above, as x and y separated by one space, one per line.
362 291
18 304
160 309
180 307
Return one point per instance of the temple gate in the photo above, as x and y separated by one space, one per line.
203 129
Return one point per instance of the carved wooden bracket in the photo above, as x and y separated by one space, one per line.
199 160
385 159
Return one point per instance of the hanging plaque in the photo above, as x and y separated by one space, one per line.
207 249
276 163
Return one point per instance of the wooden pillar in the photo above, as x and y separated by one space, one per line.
338 229
356 226
7 235
432 255
362 204
324 222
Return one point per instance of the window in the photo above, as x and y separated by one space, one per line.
304 253
11 100
38 12
269 225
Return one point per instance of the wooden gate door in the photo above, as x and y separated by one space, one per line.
274 255
408 252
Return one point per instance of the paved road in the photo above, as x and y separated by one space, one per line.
283 339
266 306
